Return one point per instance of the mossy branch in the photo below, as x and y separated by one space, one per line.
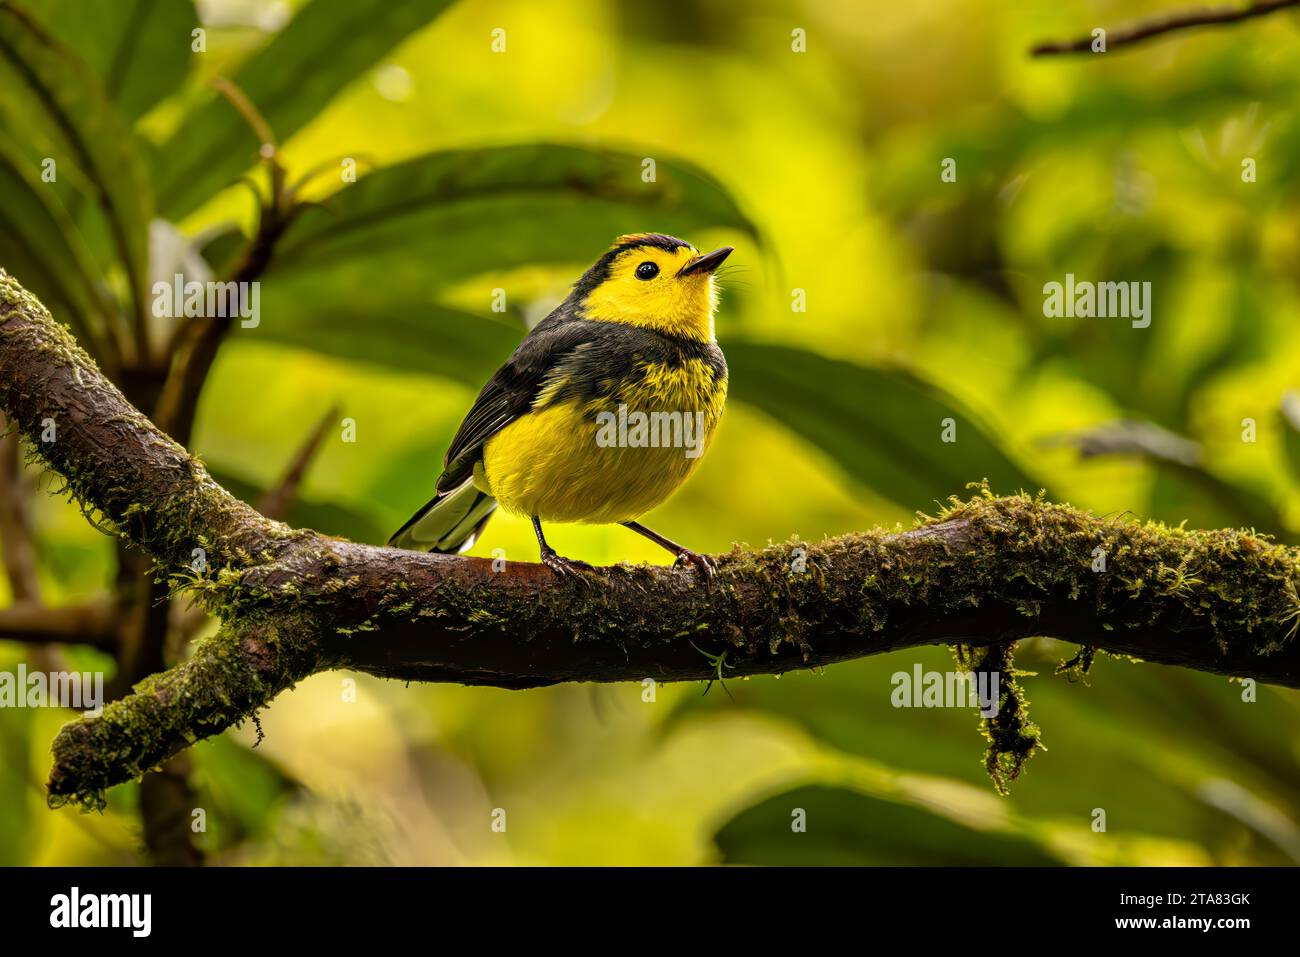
985 572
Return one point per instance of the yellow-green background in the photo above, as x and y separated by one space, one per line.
1122 167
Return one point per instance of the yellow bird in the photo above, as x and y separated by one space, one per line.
601 413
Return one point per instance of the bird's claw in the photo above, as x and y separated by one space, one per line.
565 567
702 562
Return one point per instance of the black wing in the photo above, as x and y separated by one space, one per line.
511 392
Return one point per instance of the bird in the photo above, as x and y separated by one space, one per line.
602 412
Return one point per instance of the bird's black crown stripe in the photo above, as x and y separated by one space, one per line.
598 273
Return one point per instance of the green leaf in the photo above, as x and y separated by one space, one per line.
290 81
40 247
359 278
244 790
847 828
330 518
1194 729
1290 413
991 145
882 426
1185 487
46 88
17 830
139 49
221 249
447 216
432 340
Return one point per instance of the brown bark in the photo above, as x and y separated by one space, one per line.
294 602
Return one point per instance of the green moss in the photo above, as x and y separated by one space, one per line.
1077 667
1016 552
1012 737
1023 553
275 589
228 677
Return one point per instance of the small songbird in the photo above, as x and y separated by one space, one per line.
601 413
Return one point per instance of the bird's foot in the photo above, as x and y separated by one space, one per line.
702 562
564 567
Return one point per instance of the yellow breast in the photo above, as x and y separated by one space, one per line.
605 461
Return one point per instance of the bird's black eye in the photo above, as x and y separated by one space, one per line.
647 271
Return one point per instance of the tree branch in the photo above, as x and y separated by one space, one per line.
294 602
279 500
276 503
93 624
17 542
1151 29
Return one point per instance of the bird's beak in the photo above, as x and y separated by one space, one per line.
708 262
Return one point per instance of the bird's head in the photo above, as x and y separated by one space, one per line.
654 281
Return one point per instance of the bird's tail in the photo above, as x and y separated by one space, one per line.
451 522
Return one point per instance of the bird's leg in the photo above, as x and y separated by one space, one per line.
557 563
684 555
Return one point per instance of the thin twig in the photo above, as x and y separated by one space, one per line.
93 623
17 540
194 347
244 106
279 500
1150 29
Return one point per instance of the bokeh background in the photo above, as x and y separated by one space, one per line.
923 301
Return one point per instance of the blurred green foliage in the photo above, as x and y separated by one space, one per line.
482 170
